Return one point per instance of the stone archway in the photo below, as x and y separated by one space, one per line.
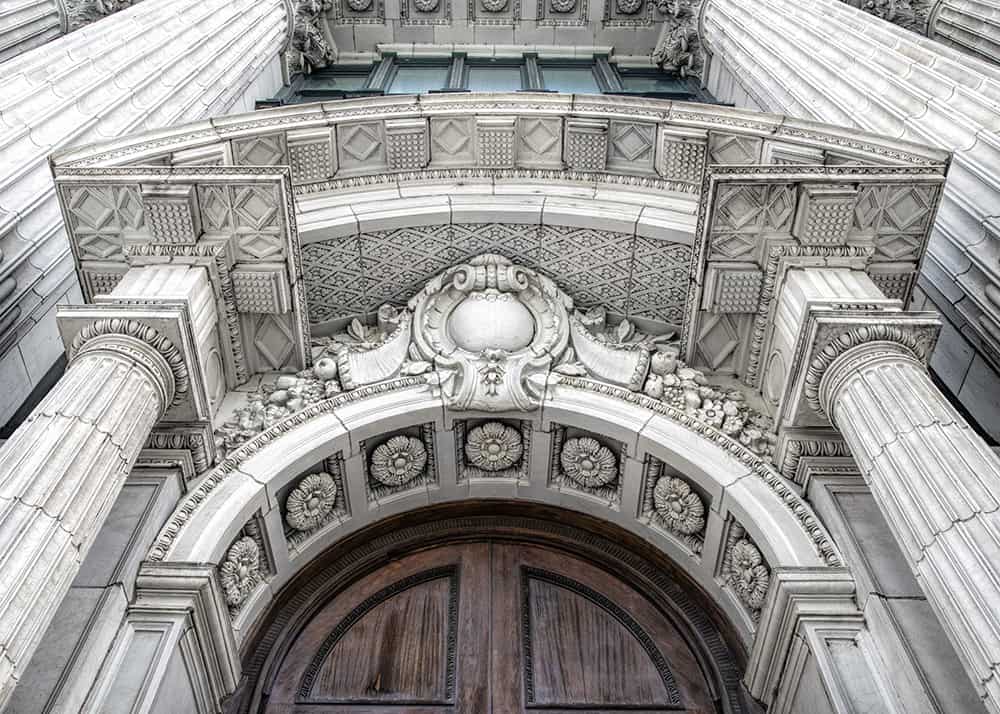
691 644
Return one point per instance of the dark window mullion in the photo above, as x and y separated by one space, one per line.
456 74
381 76
532 73
607 77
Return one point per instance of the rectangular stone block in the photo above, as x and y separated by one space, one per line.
495 138
310 154
586 144
262 288
407 142
824 215
171 213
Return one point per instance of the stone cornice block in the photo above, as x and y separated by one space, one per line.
408 143
586 144
819 596
193 591
171 213
829 333
681 153
171 321
825 214
311 154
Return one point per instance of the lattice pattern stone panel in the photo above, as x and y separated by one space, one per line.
627 274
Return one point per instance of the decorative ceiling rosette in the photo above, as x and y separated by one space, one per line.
679 506
398 461
749 577
491 329
359 5
562 6
585 461
628 7
240 573
494 5
426 5
311 502
493 446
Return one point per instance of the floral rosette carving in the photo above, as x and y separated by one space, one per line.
493 446
495 5
311 502
588 463
398 461
426 5
680 507
359 5
562 6
628 7
749 577
240 573
721 408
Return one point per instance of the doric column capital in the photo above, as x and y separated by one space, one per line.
143 346
866 346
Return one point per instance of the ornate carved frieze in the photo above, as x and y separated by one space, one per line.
408 146
586 144
311 155
77 13
311 46
210 216
678 48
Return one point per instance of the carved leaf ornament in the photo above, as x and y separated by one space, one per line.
240 573
493 446
311 502
398 461
588 463
679 506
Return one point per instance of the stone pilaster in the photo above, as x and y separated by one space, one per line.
824 60
935 480
62 470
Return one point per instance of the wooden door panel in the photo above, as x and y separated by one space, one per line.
397 647
406 638
582 651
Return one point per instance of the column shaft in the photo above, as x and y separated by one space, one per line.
938 485
972 26
60 474
25 24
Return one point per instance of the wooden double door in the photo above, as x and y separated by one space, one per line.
489 627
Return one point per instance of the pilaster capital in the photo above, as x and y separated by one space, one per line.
832 343
155 338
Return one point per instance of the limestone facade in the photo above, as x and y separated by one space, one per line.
693 323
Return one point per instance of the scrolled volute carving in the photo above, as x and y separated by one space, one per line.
491 330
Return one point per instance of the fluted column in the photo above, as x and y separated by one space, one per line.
25 24
63 469
824 60
158 63
936 482
971 26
